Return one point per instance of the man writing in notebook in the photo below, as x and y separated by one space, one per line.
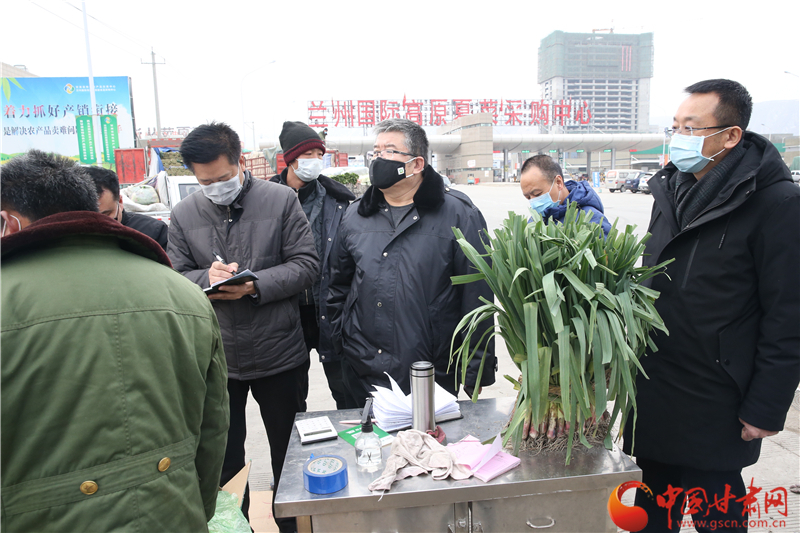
257 225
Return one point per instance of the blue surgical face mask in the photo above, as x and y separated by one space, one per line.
541 203
686 151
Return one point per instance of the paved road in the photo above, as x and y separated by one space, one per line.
495 200
779 465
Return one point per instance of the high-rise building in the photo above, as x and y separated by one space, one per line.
610 71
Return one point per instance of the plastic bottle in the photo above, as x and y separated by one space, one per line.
368 445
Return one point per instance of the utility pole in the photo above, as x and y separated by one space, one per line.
155 88
94 114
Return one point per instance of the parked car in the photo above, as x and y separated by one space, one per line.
643 185
615 179
632 182
796 176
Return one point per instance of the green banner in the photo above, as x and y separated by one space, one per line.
85 131
108 125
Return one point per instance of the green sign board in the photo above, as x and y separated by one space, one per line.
85 131
580 151
553 151
607 150
108 125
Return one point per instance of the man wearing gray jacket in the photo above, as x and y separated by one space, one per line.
235 223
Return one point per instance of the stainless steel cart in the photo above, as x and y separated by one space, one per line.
541 493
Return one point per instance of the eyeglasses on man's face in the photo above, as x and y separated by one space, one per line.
386 154
688 130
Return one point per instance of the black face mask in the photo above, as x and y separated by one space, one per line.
383 173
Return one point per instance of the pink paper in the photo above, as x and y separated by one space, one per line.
486 462
468 451
499 464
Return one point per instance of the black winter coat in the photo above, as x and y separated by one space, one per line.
337 199
391 300
731 302
155 229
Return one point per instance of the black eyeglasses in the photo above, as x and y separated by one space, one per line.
691 130
386 154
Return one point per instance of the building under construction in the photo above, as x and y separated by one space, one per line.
611 72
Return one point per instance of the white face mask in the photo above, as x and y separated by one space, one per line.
223 192
5 225
308 169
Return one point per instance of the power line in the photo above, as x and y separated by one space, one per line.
108 26
81 28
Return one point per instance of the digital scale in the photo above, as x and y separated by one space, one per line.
315 429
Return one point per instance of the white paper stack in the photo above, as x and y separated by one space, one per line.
392 408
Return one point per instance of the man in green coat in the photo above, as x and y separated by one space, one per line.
114 400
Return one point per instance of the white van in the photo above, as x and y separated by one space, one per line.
615 179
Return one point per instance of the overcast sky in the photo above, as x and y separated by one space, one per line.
217 54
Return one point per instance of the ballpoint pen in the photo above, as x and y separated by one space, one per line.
220 259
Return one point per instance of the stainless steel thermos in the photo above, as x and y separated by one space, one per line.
423 406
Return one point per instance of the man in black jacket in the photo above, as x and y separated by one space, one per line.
726 209
110 204
324 202
391 299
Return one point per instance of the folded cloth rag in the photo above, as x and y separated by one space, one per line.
414 453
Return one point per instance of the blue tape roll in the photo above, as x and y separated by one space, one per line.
325 474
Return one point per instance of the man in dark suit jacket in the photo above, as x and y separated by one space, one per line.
110 204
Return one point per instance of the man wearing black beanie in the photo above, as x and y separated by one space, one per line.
324 202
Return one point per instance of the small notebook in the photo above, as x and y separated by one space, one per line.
242 277
350 435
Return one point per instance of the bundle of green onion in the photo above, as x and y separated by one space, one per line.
575 318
